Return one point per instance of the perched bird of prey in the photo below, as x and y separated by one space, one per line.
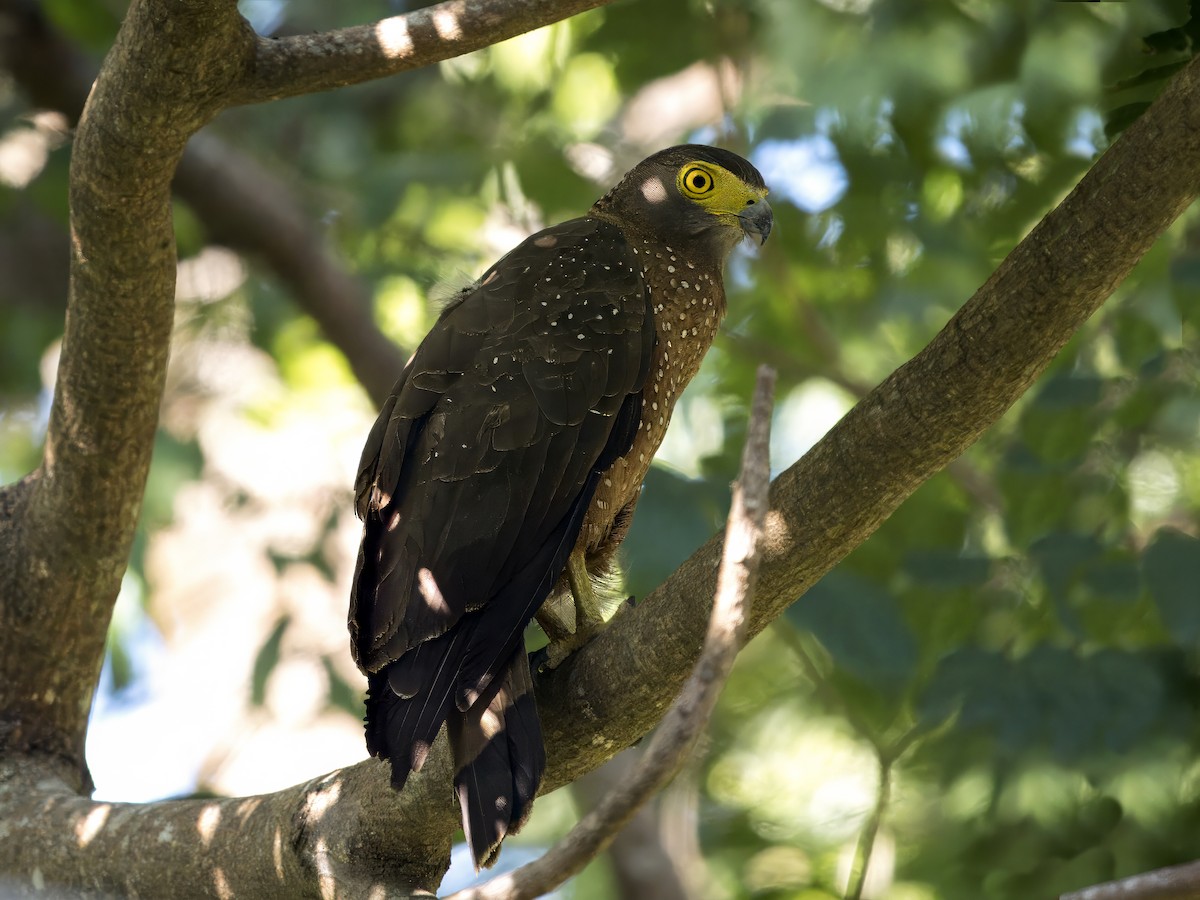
507 463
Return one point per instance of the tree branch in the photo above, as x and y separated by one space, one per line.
688 716
1172 883
921 417
71 544
342 835
642 866
303 64
866 839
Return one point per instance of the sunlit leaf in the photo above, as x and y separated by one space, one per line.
266 661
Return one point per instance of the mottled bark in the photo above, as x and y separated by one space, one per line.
70 545
340 835
1173 883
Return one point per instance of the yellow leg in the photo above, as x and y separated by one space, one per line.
554 621
587 609
588 614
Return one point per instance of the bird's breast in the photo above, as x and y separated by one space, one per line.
688 303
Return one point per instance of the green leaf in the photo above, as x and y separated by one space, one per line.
1124 116
955 677
859 624
947 569
341 694
1116 579
1075 706
266 660
1133 698
1171 566
1069 392
1062 558
1137 339
1149 76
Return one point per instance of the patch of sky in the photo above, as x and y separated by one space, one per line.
264 16
1085 134
805 171
462 874
1017 140
166 762
832 232
949 143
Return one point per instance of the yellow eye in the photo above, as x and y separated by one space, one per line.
696 182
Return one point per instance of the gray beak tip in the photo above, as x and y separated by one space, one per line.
757 219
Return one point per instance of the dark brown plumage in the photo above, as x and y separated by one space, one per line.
507 463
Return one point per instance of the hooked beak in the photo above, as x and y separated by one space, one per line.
757 220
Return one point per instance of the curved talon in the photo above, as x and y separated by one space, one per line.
538 659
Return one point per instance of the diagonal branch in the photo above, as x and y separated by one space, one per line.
1172 883
645 859
688 716
919 419
303 64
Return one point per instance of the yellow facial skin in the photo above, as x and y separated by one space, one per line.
718 190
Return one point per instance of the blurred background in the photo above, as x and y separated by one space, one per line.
993 697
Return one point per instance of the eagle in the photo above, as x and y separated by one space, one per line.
504 468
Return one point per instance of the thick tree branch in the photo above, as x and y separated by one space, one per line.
71 544
302 64
1172 883
342 835
688 716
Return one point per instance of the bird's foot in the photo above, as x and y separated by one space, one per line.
555 653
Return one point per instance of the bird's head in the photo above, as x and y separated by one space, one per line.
691 196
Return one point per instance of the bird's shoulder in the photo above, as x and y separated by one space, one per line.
558 267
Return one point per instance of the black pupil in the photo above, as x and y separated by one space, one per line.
699 182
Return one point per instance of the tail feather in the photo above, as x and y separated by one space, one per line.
402 721
499 759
